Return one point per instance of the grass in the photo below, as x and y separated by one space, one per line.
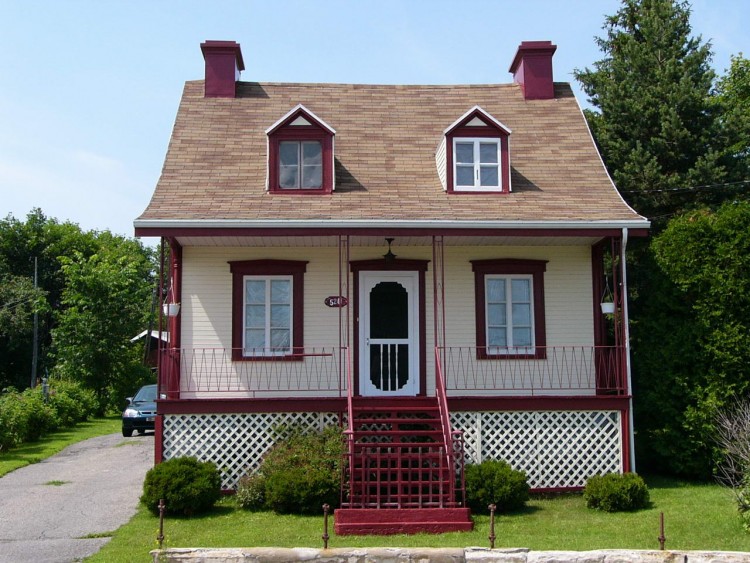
56 483
34 452
697 517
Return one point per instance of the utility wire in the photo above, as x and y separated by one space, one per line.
739 183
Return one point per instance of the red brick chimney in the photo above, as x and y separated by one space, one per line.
532 69
223 65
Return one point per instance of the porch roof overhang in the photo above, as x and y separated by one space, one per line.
210 232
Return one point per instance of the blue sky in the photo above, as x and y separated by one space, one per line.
89 88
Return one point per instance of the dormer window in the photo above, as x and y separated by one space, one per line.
300 154
474 155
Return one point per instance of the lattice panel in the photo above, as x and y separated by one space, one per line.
556 449
236 443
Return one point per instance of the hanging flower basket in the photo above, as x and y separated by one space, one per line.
608 308
171 309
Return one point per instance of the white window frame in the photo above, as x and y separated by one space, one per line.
300 164
476 141
510 347
267 349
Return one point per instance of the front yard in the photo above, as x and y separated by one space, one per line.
697 516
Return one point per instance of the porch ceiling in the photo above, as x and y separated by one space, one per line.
379 241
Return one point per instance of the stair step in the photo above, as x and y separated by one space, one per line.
401 521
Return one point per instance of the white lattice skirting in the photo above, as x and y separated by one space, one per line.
557 449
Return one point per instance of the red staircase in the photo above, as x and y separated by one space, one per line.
401 474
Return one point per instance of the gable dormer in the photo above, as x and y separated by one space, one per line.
300 154
474 155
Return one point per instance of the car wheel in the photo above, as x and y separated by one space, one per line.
127 433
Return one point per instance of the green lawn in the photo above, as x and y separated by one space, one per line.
34 452
696 517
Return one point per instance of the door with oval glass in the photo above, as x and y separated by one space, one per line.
388 333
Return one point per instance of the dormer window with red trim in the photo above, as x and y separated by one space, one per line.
300 154
474 156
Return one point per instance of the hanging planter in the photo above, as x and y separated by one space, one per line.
607 303
171 309
608 307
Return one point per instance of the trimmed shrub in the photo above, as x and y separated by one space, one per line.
495 482
614 492
251 492
188 486
303 472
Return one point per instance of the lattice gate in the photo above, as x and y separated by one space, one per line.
237 442
556 449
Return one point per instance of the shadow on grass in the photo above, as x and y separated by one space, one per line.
217 510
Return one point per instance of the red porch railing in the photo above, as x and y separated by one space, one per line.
304 371
531 371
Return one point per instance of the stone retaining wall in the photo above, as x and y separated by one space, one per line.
440 555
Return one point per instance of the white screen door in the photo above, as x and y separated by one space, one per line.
389 333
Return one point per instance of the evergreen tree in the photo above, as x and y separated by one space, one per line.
654 121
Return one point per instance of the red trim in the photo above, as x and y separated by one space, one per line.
159 439
286 132
225 406
580 403
491 130
379 231
241 268
175 323
338 404
402 265
509 266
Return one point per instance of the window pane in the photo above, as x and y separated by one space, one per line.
255 291
521 314
255 338
521 291
496 290
496 315
255 316
280 316
288 177
488 153
497 337
289 153
280 338
522 337
312 176
312 153
280 291
488 176
464 175
465 153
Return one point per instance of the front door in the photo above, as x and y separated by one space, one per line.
388 333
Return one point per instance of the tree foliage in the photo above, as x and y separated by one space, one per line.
94 294
674 139
104 304
705 354
655 123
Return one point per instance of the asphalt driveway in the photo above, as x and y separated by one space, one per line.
91 487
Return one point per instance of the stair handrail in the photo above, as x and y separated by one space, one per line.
349 432
445 421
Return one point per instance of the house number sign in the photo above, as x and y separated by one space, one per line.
336 301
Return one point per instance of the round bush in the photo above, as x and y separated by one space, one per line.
495 482
251 492
303 472
72 402
616 493
188 486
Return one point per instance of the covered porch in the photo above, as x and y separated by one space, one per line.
538 405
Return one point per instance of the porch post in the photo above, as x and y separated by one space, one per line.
438 295
175 295
344 316
626 337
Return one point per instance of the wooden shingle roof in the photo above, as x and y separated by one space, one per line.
385 144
